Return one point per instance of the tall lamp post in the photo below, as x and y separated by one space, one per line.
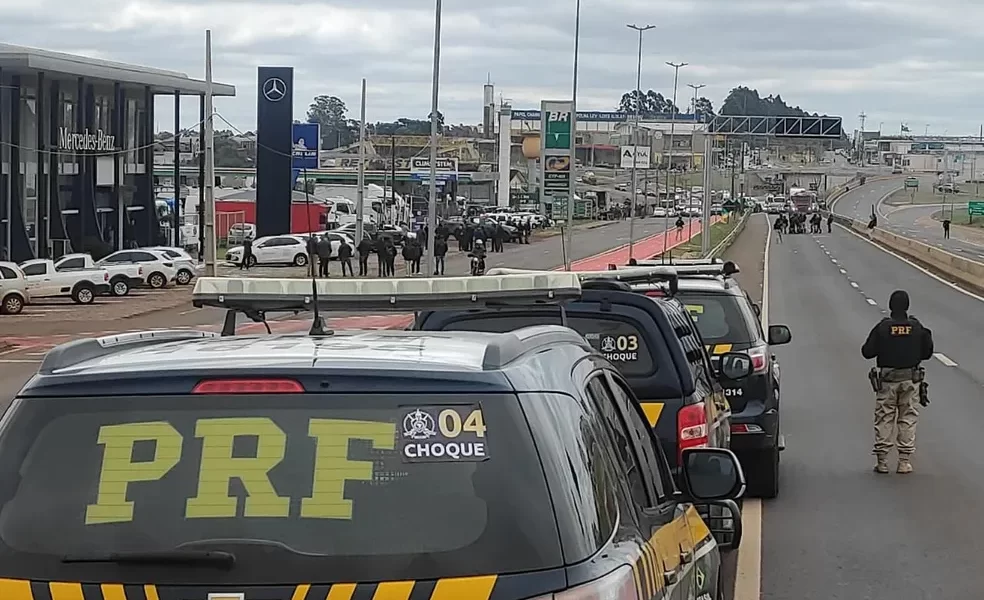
572 177
666 224
635 136
435 87
695 88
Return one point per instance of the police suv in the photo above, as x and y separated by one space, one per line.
183 465
654 343
729 321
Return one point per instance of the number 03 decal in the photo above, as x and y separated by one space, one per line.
627 343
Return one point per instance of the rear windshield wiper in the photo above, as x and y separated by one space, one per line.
190 558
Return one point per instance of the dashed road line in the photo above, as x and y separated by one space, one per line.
854 284
943 358
843 271
871 302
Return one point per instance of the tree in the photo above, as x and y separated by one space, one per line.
704 107
651 103
405 126
336 129
743 101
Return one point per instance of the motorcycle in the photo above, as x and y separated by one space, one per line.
477 266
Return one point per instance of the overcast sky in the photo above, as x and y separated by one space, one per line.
896 60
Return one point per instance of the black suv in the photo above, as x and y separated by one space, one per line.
653 342
728 321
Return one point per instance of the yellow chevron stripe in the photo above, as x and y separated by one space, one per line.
472 588
722 348
393 590
15 589
300 592
62 590
113 591
150 591
340 591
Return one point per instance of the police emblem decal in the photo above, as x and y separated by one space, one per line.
608 344
419 425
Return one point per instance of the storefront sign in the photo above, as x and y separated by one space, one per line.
87 141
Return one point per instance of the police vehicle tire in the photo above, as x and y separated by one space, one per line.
764 479
300 260
183 277
156 280
12 305
83 293
119 287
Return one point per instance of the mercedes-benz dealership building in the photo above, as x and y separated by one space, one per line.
77 151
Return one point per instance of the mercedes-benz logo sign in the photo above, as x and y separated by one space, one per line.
274 89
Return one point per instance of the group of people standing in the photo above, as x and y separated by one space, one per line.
796 223
492 236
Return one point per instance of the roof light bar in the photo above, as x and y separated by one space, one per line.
417 293
666 273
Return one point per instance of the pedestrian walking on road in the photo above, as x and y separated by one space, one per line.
247 254
777 226
898 343
440 251
830 222
946 229
365 249
345 257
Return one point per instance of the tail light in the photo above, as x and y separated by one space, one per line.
655 294
691 428
248 386
106 276
617 585
140 270
760 359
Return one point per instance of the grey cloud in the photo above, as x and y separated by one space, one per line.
838 57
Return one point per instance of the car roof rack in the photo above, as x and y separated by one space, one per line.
254 297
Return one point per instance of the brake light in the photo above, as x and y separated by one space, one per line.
760 359
140 270
248 386
106 276
655 294
691 428
617 585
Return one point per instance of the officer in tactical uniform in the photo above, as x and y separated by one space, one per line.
898 343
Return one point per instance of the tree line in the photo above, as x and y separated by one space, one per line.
741 101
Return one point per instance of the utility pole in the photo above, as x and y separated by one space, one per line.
671 189
573 173
860 141
696 88
635 136
209 212
360 201
435 87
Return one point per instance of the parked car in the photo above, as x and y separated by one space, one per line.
13 289
82 286
187 266
122 277
274 250
158 269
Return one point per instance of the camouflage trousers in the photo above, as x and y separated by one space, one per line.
896 415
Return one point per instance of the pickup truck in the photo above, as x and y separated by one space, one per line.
122 277
44 281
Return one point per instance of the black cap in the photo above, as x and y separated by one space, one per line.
898 302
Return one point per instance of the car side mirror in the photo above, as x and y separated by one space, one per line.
757 310
711 474
779 335
734 366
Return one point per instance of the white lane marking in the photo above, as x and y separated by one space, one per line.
871 302
946 360
19 361
748 579
854 285
843 271
833 260
913 265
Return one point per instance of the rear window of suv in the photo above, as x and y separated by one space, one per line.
720 318
309 487
620 341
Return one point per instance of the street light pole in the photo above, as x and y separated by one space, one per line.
635 136
666 220
572 177
432 201
696 88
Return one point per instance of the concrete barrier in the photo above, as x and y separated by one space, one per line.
730 238
941 262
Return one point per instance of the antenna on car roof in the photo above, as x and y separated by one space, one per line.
318 322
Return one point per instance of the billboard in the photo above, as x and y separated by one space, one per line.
641 156
274 121
305 145
555 150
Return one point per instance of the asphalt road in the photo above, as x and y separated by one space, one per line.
17 365
837 530
916 221
859 203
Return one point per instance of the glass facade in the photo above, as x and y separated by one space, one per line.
81 178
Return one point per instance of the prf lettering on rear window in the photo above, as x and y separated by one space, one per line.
901 329
218 466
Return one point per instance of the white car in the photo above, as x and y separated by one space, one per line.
241 232
158 269
184 262
274 250
13 289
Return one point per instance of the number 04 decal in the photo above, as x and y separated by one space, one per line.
444 434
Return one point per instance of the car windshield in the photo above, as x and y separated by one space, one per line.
720 317
342 487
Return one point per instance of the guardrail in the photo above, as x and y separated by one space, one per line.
729 239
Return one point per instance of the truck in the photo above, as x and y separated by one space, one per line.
801 203
122 277
82 286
